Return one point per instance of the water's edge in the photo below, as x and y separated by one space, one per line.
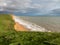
29 25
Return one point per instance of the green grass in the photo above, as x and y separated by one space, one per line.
6 23
8 36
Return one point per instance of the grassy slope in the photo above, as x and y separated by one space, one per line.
10 37
6 23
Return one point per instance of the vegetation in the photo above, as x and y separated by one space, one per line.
8 36
6 23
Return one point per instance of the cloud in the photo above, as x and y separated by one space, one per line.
18 4
55 12
39 6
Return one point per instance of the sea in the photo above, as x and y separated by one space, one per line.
48 22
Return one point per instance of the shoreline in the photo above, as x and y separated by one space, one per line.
22 25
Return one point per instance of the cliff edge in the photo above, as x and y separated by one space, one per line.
18 27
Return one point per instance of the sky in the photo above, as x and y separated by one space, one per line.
29 7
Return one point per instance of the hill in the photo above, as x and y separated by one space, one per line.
8 36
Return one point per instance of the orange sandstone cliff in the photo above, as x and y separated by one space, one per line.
19 27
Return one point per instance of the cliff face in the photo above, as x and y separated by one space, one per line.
19 27
18 24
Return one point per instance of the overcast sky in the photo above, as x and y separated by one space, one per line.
32 6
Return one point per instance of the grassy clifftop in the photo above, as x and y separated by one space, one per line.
6 23
10 37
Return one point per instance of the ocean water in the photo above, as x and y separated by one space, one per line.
48 22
